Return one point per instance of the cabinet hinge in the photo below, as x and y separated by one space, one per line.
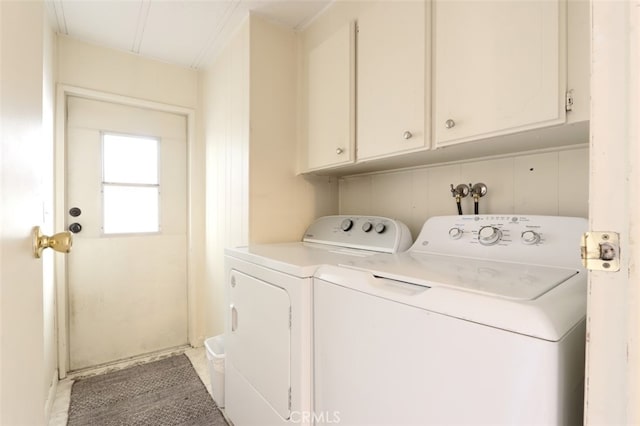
289 399
568 100
600 251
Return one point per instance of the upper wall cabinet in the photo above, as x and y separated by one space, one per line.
330 101
391 64
500 67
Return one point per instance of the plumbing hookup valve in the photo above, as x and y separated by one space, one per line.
477 191
459 192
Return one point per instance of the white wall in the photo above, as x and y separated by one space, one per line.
93 67
281 204
547 183
249 107
25 107
225 109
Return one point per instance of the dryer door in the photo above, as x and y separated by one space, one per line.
260 338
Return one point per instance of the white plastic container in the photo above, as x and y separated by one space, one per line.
215 356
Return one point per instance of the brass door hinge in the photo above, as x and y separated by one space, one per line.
600 251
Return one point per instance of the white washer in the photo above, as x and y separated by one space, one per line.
482 321
268 339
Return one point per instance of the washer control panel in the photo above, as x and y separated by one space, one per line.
496 230
553 240
373 233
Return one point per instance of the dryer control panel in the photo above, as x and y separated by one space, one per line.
543 240
374 233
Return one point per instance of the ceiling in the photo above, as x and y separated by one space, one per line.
183 32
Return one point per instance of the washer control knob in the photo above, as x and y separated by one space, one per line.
530 237
367 226
455 233
380 228
346 225
489 235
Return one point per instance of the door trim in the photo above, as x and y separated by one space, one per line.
612 382
63 92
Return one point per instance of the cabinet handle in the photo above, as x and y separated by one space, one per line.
449 124
339 151
407 135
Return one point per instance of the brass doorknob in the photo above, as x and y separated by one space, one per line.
61 242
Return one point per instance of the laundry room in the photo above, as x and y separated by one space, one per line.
308 145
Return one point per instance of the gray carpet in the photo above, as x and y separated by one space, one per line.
161 393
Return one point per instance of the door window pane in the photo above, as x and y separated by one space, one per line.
129 159
130 209
130 184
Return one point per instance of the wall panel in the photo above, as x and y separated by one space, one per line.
536 184
547 183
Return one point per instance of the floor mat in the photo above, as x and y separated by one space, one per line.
166 392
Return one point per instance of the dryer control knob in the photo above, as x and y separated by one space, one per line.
455 233
367 226
380 228
530 237
489 235
346 225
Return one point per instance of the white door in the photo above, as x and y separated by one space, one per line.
259 345
24 145
127 205
613 317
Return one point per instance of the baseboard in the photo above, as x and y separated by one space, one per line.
51 397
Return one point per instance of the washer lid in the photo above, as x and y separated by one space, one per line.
515 281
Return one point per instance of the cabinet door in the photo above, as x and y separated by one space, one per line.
499 67
331 103
391 55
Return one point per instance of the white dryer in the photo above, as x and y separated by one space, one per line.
268 339
482 321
